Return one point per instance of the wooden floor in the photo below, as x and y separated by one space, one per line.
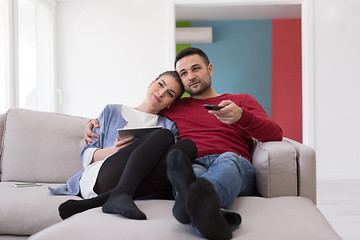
339 201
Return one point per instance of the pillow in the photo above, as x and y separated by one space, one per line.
41 146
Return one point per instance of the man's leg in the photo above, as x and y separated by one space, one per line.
196 200
181 175
231 176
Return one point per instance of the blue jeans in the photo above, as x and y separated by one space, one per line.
230 174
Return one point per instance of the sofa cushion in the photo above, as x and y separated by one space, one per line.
27 210
41 146
262 218
276 169
12 237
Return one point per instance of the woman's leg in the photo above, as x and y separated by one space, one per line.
108 177
139 165
145 174
155 185
71 207
105 182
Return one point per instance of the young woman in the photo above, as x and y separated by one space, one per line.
116 171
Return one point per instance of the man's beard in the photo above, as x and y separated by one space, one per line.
203 86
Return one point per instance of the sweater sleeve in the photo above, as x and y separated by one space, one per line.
257 123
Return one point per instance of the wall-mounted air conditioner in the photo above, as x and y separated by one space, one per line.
193 35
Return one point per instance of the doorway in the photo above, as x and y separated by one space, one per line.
215 10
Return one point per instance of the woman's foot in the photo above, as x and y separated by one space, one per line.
71 207
124 205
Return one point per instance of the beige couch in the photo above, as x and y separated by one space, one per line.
44 147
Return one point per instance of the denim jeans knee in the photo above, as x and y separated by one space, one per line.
231 176
199 169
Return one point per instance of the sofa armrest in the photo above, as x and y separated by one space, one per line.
276 169
2 123
306 165
285 168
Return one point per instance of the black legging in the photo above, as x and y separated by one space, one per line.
137 171
140 168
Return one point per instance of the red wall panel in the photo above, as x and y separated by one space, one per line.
286 83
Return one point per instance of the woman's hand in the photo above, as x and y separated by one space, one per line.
101 154
121 143
89 133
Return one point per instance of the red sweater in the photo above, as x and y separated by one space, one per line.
214 137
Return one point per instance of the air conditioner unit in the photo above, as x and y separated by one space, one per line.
193 35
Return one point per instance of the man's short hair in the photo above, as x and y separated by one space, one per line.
191 51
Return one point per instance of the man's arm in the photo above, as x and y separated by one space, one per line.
229 114
88 133
102 153
251 117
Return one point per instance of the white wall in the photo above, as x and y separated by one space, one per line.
110 50
337 87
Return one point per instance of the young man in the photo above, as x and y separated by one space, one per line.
224 138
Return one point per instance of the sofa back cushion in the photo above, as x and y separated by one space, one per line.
41 146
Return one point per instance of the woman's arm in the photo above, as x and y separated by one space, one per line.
105 142
101 154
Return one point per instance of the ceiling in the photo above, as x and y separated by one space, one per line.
236 12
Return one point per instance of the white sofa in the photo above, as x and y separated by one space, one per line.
45 147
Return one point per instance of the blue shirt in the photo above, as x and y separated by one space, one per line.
109 120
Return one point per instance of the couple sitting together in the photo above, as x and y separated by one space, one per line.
202 156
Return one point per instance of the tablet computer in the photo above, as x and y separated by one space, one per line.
136 132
